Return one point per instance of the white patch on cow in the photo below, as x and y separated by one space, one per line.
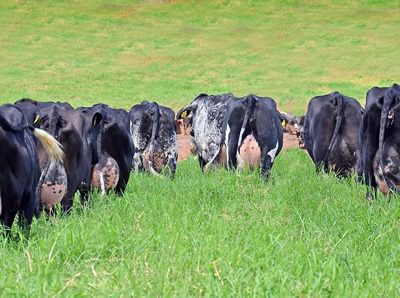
272 152
170 146
102 184
240 161
228 130
240 137
139 142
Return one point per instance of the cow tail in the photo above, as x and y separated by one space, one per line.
155 112
387 103
251 102
207 166
50 144
339 121
99 142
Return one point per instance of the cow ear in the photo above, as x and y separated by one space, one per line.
97 117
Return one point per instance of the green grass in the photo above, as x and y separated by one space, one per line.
122 52
219 234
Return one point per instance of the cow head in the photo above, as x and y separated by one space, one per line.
300 131
294 125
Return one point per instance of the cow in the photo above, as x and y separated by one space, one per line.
294 125
184 127
31 108
208 113
253 133
19 167
331 132
290 123
153 133
67 126
110 144
379 150
300 131
53 180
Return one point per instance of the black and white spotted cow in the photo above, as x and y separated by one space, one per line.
208 113
331 132
379 149
19 166
153 132
253 134
107 133
53 180
67 126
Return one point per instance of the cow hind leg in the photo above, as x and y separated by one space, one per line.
124 173
66 203
265 163
268 155
172 167
202 163
7 222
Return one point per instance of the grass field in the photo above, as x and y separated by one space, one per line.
219 234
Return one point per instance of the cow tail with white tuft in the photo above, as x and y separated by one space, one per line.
207 166
50 144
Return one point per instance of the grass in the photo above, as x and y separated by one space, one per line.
218 234
122 52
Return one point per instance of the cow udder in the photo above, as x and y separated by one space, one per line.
250 153
109 173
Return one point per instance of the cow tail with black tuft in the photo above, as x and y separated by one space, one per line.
250 102
339 120
387 103
155 113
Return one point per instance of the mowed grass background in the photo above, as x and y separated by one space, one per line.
217 234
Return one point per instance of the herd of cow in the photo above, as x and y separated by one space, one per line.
50 150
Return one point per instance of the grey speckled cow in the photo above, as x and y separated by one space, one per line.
208 113
153 132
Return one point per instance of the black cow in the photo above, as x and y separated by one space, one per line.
208 113
253 133
379 149
107 133
67 126
19 166
330 132
153 132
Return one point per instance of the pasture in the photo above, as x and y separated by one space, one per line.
217 234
